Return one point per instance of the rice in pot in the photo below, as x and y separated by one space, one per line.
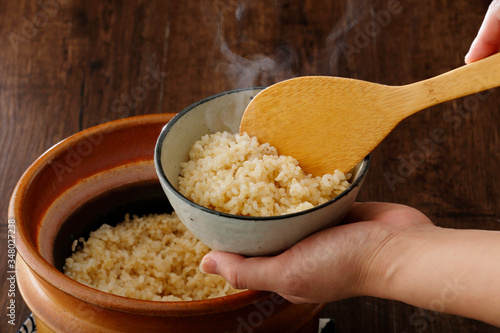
156 258
153 257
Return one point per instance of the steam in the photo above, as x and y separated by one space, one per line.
259 69
265 69
336 44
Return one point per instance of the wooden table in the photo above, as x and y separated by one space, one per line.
66 65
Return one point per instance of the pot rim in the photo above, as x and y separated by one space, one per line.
44 270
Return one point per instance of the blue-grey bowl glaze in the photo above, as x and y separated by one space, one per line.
250 236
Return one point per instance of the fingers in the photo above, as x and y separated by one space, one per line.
487 41
258 273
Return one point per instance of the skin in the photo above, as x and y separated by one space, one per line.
384 250
487 41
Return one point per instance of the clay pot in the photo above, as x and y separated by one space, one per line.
98 175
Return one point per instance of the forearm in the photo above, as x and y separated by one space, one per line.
445 270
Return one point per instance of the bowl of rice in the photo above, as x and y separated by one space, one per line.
239 195
101 249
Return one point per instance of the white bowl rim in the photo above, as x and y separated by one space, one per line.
161 173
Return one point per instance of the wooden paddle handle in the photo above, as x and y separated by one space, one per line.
469 79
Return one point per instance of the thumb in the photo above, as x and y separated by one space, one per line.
257 273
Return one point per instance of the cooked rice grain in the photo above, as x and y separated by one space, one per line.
234 174
153 257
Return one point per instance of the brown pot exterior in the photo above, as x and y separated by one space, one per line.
91 162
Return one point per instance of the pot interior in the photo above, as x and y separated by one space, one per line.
109 207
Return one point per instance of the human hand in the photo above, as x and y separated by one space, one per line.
385 250
487 41
333 264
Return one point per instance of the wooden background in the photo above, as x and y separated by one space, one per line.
66 65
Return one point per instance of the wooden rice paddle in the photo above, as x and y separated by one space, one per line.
330 123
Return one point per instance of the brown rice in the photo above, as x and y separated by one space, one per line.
152 257
234 174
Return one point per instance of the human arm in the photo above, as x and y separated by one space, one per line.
388 251
487 41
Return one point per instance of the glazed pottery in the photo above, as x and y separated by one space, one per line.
252 236
97 176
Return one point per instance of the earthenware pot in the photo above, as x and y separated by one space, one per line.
97 176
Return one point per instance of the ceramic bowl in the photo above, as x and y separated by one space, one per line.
250 236
97 176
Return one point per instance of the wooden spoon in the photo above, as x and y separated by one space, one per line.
330 123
